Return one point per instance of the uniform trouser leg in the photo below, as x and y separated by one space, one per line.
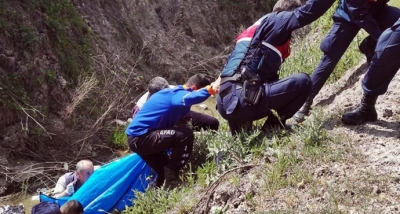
203 121
385 63
286 96
333 45
387 16
152 148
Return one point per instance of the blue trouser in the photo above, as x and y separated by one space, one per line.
385 63
284 96
338 40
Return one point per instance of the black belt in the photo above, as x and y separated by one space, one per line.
233 87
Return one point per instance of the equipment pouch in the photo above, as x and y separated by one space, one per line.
252 92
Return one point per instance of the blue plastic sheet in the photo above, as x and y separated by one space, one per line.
112 185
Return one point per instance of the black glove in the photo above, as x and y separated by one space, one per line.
367 47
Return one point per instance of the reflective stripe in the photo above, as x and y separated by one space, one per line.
272 48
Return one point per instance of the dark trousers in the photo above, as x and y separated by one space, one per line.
201 121
285 96
338 40
385 63
152 149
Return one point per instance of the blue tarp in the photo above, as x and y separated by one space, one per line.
112 185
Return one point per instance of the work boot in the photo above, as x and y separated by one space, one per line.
304 110
367 47
171 178
365 111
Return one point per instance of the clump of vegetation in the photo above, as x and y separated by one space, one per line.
27 32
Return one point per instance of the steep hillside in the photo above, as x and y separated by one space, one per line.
69 68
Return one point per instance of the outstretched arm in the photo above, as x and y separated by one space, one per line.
189 98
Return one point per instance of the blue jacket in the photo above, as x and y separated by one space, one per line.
361 12
165 108
275 29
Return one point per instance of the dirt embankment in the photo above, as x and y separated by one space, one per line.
69 68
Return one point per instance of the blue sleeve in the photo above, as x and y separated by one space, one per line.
306 14
358 11
278 27
189 98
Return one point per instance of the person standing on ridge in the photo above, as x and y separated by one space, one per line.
384 65
373 16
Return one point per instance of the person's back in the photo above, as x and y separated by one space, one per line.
164 109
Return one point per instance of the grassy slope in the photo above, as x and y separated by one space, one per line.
301 176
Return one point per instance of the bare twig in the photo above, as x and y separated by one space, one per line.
211 188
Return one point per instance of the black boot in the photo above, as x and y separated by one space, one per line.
304 110
171 178
365 111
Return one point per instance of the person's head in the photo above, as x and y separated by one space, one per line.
84 169
287 5
72 207
198 81
156 84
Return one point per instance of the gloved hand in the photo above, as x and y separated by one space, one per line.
367 47
70 188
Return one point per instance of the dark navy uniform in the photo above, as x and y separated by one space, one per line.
373 16
384 65
261 49
385 62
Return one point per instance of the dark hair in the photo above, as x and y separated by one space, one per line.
198 80
72 207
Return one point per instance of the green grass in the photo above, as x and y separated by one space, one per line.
290 153
119 138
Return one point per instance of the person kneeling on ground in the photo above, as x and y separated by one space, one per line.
153 131
383 67
198 120
70 182
70 207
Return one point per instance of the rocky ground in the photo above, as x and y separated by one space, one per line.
359 174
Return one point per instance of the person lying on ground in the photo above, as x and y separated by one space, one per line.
373 16
384 65
70 182
153 130
198 120
249 85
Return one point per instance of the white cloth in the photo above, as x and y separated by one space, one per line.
145 96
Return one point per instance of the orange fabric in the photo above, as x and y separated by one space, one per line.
210 90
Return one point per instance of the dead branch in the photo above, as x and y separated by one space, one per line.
211 188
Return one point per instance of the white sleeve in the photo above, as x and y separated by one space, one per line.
60 186
142 100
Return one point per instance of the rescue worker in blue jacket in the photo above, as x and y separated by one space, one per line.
373 16
385 64
153 131
249 86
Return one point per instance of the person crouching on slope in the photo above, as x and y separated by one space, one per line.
198 120
249 85
153 130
